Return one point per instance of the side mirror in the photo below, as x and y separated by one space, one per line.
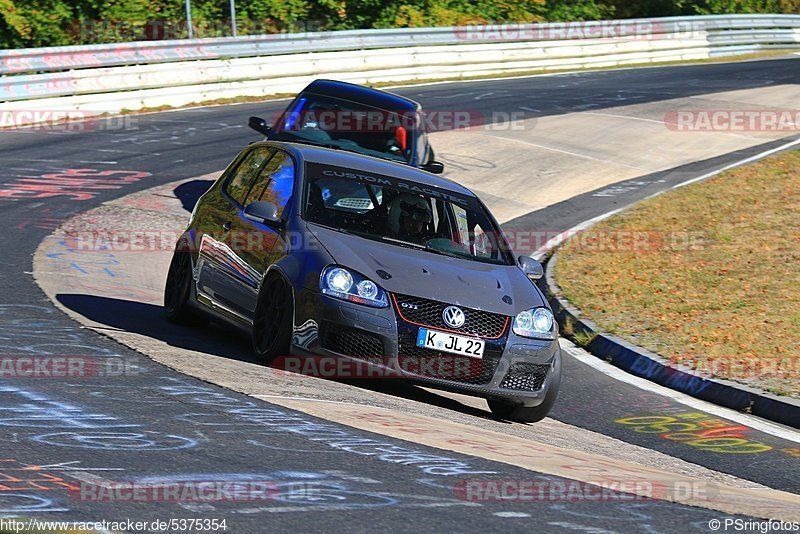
260 125
263 212
532 268
434 167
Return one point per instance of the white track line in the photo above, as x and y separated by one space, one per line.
623 376
544 249
734 165
651 387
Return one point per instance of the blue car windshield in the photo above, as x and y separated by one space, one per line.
403 214
338 123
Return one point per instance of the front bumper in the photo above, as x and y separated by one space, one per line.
513 368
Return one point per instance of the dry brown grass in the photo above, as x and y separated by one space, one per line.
710 277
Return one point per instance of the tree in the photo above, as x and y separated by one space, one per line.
32 23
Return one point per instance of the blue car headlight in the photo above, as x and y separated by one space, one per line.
345 284
537 323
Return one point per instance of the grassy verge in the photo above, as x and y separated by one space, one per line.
707 275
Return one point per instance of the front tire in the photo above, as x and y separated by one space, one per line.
272 322
523 414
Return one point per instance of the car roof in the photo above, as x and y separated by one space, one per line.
366 95
351 160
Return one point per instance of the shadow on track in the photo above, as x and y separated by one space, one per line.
190 192
226 341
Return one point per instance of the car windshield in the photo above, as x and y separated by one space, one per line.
337 123
404 214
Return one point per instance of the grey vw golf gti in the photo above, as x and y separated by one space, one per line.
321 253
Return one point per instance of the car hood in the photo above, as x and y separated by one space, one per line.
500 289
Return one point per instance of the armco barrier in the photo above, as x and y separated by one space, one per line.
110 78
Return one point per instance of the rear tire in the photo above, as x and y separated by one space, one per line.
272 322
178 291
523 414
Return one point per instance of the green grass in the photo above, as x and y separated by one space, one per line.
714 281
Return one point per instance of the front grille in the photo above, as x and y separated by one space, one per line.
525 376
426 312
429 363
354 343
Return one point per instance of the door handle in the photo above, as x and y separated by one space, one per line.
227 225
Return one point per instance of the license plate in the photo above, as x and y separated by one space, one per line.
444 342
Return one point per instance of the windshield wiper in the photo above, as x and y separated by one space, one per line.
444 252
294 138
405 243
422 247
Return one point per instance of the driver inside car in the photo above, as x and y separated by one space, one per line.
409 218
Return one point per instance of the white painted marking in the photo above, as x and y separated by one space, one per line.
614 372
640 119
511 514
544 249
127 152
580 527
734 165
606 368
575 154
662 123
540 253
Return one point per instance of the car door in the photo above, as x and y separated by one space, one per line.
254 246
216 220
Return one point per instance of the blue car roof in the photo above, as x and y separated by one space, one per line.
356 93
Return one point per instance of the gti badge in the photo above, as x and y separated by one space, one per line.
453 317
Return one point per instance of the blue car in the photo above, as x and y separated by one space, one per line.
359 119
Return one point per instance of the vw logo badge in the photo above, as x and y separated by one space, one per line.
453 317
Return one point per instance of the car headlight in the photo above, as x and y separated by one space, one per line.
348 285
537 323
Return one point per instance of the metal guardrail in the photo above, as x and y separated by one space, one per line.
108 78
147 52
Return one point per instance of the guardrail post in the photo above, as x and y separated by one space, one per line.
233 18
189 18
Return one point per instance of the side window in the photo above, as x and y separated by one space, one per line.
461 223
441 222
277 182
239 184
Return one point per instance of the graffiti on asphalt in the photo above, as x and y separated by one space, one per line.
699 430
76 184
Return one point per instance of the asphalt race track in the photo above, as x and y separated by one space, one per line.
156 424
